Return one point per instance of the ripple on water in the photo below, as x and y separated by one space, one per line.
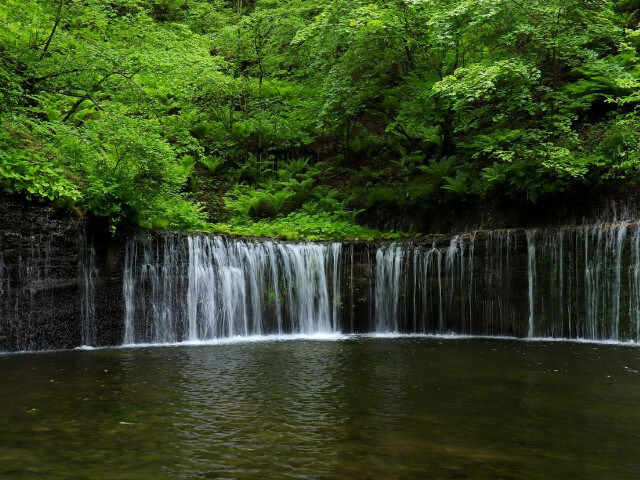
356 408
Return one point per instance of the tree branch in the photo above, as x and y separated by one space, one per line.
53 30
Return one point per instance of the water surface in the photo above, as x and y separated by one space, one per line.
353 408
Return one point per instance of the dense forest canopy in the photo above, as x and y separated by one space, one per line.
289 117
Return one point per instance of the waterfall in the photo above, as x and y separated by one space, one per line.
201 287
531 275
448 287
581 282
387 293
88 275
58 290
336 250
128 291
152 288
634 284
585 282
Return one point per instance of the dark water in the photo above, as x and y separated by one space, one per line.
356 408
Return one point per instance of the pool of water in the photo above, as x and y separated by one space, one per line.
350 408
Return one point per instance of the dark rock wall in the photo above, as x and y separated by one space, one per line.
42 285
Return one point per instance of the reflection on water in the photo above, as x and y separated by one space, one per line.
356 408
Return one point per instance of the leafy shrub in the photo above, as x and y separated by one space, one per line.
26 172
303 226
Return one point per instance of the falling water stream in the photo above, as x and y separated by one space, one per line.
219 288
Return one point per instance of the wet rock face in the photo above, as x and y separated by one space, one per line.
105 320
42 285
38 278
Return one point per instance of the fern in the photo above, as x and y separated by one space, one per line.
438 170
458 185
212 163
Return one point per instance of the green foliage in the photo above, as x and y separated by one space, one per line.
289 187
292 109
11 93
291 203
304 226
25 168
87 110
24 171
614 149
